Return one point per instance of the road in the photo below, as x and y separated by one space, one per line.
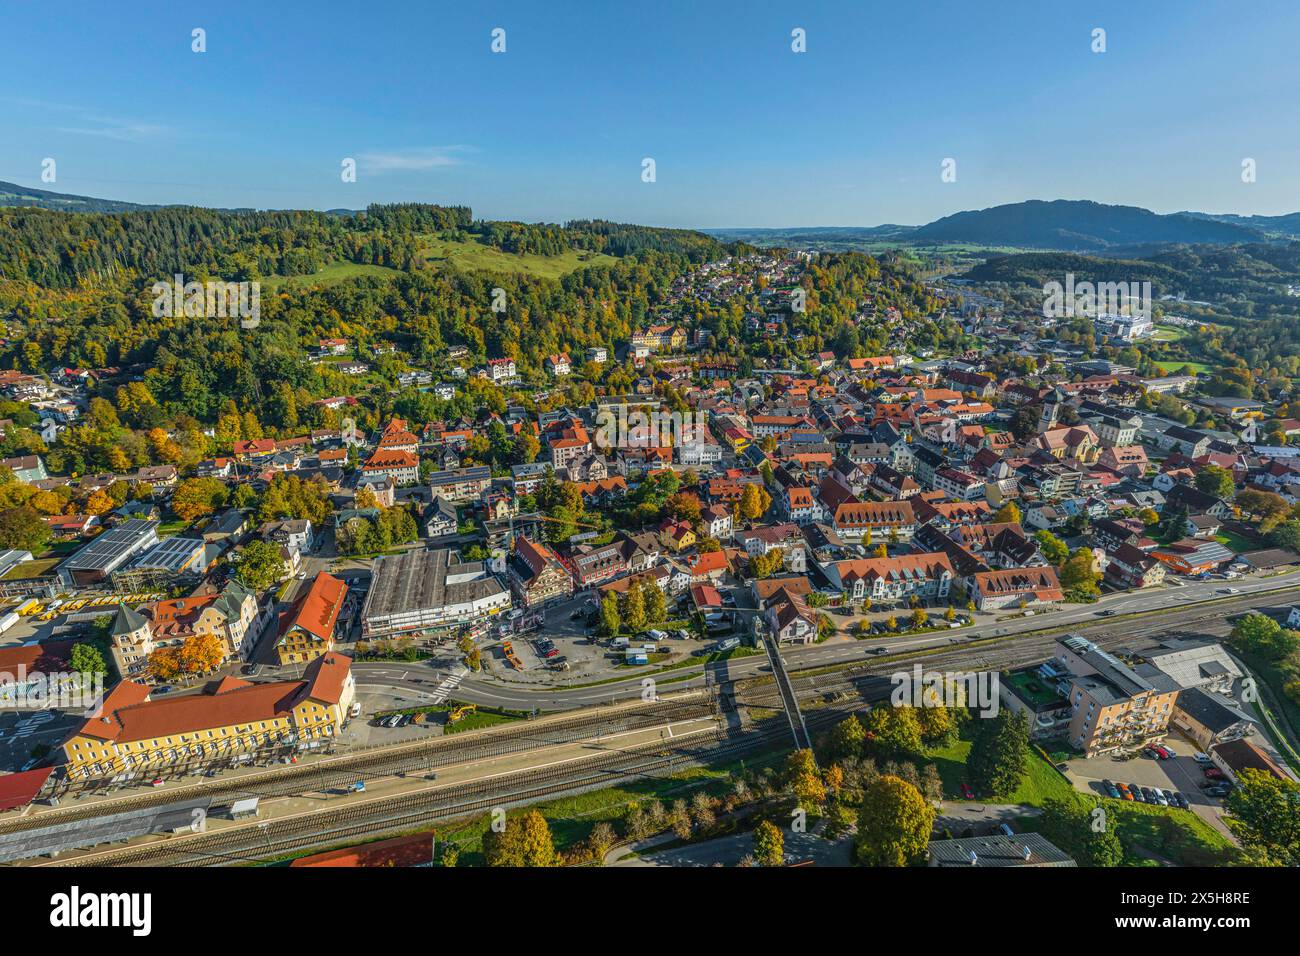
1180 605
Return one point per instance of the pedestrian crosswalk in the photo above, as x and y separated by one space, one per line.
32 725
449 684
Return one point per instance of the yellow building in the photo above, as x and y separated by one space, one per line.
232 721
308 631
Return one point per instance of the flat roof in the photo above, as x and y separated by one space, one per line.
427 579
112 546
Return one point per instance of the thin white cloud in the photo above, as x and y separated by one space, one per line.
87 121
404 160
112 128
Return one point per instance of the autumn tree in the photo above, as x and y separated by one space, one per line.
259 565
23 529
164 663
893 731
845 740
754 501
1079 579
610 619
195 497
803 780
1009 512
1265 813
523 841
769 844
894 823
1053 548
201 653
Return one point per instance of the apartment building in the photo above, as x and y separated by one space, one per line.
1112 706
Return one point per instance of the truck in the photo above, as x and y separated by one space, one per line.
27 606
8 621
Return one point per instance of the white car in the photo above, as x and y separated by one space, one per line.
1202 757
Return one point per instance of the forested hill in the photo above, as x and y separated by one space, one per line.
62 250
11 194
1077 225
1258 272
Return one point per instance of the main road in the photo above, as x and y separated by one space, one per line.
1151 611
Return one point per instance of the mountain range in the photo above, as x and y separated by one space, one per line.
1068 225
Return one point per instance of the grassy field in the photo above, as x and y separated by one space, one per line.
331 274
571 818
1176 365
1042 783
1236 542
473 256
1170 333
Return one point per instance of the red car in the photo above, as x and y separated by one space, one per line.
967 792
1213 773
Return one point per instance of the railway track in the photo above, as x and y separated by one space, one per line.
347 769
405 812
996 654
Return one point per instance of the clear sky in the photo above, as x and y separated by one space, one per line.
743 131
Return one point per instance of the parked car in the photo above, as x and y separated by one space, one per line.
966 791
1160 796
1179 800
1213 773
1169 751
1112 791
1217 790
1200 757
1138 795
1124 792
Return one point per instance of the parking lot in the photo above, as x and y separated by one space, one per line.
1180 773
576 650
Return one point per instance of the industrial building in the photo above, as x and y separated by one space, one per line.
430 590
95 562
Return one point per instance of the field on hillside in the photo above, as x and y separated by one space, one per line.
329 275
473 256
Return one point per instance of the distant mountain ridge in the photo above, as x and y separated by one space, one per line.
11 194
1064 225
1078 225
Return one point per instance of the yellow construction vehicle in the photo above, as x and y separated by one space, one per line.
461 712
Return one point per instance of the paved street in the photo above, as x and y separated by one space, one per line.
1183 604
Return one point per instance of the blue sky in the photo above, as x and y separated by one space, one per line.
743 131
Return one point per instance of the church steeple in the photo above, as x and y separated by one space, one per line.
1051 410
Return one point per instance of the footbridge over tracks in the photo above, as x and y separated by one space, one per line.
786 690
